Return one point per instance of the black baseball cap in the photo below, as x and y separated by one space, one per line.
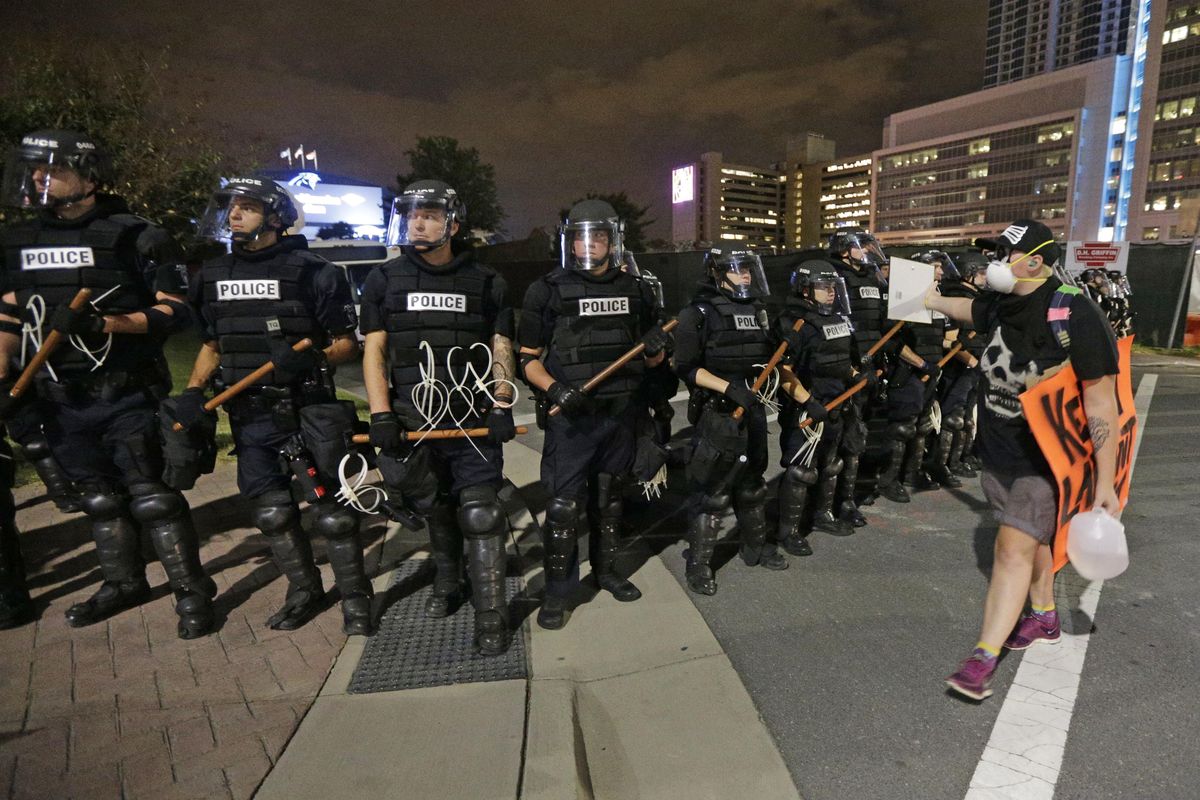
1028 236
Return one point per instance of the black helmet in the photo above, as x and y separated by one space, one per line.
812 276
47 150
276 201
843 243
423 230
950 270
971 263
737 274
595 225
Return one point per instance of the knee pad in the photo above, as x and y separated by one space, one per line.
99 505
954 421
715 503
335 522
37 448
752 493
157 504
479 512
833 468
562 511
902 431
275 512
610 499
804 475
925 424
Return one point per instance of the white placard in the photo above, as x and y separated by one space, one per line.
907 285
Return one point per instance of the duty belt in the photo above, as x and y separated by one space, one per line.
105 386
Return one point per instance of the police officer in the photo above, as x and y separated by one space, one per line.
1122 312
418 311
575 322
101 389
254 304
963 276
16 607
821 357
859 261
25 427
723 339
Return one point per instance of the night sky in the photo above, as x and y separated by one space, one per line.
562 98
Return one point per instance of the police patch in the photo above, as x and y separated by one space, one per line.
248 290
868 292
838 331
57 258
437 301
603 306
745 322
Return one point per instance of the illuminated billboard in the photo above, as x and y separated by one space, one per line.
683 185
327 203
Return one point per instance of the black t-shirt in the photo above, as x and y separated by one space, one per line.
496 309
1021 347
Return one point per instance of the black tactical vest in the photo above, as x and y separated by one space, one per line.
445 310
736 340
245 298
831 352
973 345
596 322
926 340
868 305
54 263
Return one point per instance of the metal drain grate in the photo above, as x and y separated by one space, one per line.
411 651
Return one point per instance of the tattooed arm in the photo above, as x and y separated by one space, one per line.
1100 404
504 367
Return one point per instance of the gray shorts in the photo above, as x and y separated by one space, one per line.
1028 503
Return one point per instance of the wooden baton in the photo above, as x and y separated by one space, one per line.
53 340
843 397
454 433
739 412
606 373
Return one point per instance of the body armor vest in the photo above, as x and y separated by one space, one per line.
927 339
444 310
245 298
597 322
973 345
868 304
736 341
54 263
825 364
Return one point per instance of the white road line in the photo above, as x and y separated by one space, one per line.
1024 755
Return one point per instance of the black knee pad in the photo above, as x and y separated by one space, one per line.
902 431
925 424
610 499
335 522
37 448
833 468
715 503
805 475
275 512
954 421
100 505
752 493
159 503
479 512
562 511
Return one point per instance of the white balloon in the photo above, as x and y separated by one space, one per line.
1096 545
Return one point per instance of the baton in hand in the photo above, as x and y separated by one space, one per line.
606 373
53 340
451 433
843 397
739 412
246 382
946 358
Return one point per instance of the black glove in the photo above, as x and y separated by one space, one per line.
189 408
869 375
86 320
500 425
931 369
572 401
795 341
291 366
8 403
386 432
656 340
741 395
816 410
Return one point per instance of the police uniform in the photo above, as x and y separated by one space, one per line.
910 408
16 607
956 396
101 421
823 361
249 302
731 339
586 322
451 483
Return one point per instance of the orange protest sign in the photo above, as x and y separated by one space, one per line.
1055 412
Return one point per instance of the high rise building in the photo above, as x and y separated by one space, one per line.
713 201
1030 37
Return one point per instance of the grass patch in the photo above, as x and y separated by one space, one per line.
1177 352
180 351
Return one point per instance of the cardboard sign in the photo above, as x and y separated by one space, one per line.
1055 412
1092 255
907 283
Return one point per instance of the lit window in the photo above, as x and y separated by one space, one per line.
1118 126
1159 203
1170 110
977 171
1178 34
978 146
1150 234
1187 106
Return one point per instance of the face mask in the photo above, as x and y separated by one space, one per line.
1000 277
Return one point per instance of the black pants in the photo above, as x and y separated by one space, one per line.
577 450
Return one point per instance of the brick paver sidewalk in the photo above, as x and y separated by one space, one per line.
126 709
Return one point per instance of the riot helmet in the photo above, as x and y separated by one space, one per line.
591 237
50 168
972 266
248 196
942 264
822 288
651 280
1097 282
1119 282
737 274
424 215
857 246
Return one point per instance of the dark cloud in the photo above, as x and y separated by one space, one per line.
562 98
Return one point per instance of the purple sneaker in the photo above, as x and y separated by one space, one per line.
1030 630
974 677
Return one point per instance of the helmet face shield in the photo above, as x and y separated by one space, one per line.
242 209
827 291
738 274
422 222
590 245
860 248
44 181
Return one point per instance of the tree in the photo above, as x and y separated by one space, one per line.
630 212
163 166
441 158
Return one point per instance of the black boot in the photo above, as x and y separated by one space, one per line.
793 497
16 607
914 465
446 544
339 526
292 552
118 548
847 482
757 548
702 538
486 561
559 559
889 479
194 605
823 516
939 460
969 459
553 614
604 562
165 517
